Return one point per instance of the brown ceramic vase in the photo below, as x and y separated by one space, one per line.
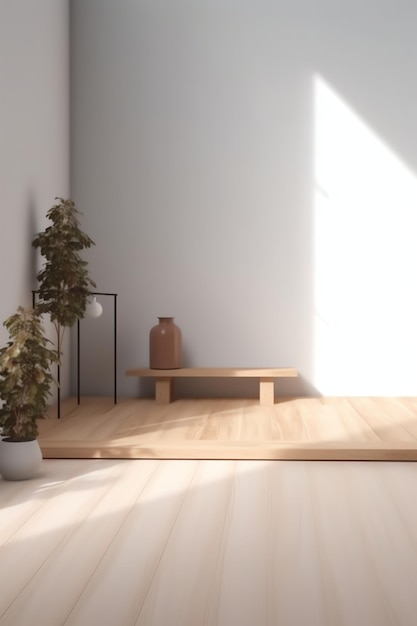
165 345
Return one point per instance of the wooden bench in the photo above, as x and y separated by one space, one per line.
164 378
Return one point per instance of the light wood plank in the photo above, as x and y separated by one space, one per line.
210 542
184 584
383 418
215 372
229 428
121 580
36 539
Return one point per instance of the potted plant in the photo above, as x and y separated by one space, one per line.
64 282
25 380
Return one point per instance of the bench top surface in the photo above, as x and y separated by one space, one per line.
220 372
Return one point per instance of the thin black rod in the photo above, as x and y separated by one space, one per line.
94 293
115 348
59 371
59 391
78 362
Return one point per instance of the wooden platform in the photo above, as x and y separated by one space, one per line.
293 428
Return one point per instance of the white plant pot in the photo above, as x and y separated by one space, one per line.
19 460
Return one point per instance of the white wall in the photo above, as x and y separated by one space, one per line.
34 137
195 159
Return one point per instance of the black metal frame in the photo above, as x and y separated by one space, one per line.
93 293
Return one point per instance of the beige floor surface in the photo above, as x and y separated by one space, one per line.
294 428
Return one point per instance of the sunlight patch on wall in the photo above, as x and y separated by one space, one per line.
365 257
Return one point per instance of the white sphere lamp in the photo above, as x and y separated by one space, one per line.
93 308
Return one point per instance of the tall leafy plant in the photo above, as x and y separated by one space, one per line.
64 281
25 376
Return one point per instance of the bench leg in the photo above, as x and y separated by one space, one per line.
163 390
266 391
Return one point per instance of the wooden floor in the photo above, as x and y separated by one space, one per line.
295 428
210 543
